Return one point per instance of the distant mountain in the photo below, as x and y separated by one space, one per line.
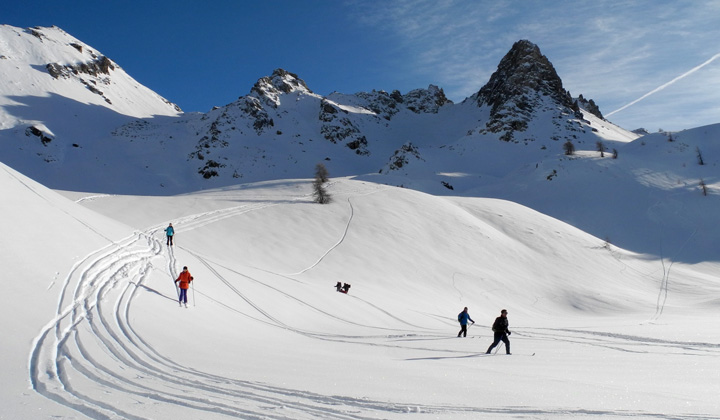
68 111
72 119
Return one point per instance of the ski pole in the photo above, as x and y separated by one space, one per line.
177 289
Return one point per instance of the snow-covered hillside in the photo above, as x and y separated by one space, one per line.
59 98
598 332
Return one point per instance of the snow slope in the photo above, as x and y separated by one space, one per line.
45 239
59 98
598 332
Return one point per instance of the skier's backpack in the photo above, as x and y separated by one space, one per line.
498 325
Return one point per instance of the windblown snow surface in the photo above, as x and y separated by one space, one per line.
92 327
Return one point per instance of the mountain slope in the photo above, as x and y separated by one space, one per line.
59 98
45 239
266 335
507 141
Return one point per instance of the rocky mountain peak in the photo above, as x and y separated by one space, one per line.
519 87
269 88
426 100
523 69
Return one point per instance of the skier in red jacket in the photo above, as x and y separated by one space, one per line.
184 278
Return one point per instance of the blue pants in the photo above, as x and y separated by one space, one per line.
183 295
500 336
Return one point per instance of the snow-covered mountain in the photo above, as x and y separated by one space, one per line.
509 140
60 98
66 111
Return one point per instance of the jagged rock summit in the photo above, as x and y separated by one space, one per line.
524 84
523 72
271 87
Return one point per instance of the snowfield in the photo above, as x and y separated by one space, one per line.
607 259
93 329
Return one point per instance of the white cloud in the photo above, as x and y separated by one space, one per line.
665 85
611 51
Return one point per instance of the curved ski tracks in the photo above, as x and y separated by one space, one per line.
89 353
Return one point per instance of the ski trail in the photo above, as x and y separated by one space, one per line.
291 297
342 237
664 282
620 342
340 241
62 365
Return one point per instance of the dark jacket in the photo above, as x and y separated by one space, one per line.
501 325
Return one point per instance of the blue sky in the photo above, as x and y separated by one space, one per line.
647 63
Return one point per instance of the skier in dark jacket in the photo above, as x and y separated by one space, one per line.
463 318
500 328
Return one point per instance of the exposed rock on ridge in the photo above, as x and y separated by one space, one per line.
515 91
270 88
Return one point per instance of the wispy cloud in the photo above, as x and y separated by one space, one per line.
612 51
663 86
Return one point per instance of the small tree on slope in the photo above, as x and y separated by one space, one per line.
321 176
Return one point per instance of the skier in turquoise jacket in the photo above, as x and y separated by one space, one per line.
170 232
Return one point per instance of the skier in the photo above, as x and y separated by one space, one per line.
463 318
500 328
345 288
170 231
184 278
338 287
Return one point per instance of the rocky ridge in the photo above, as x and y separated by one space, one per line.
281 127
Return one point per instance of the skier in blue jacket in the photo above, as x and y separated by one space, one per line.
463 318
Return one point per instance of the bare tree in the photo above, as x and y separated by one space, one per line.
600 148
569 148
699 156
615 153
321 177
703 186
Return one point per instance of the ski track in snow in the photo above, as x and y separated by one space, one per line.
89 354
